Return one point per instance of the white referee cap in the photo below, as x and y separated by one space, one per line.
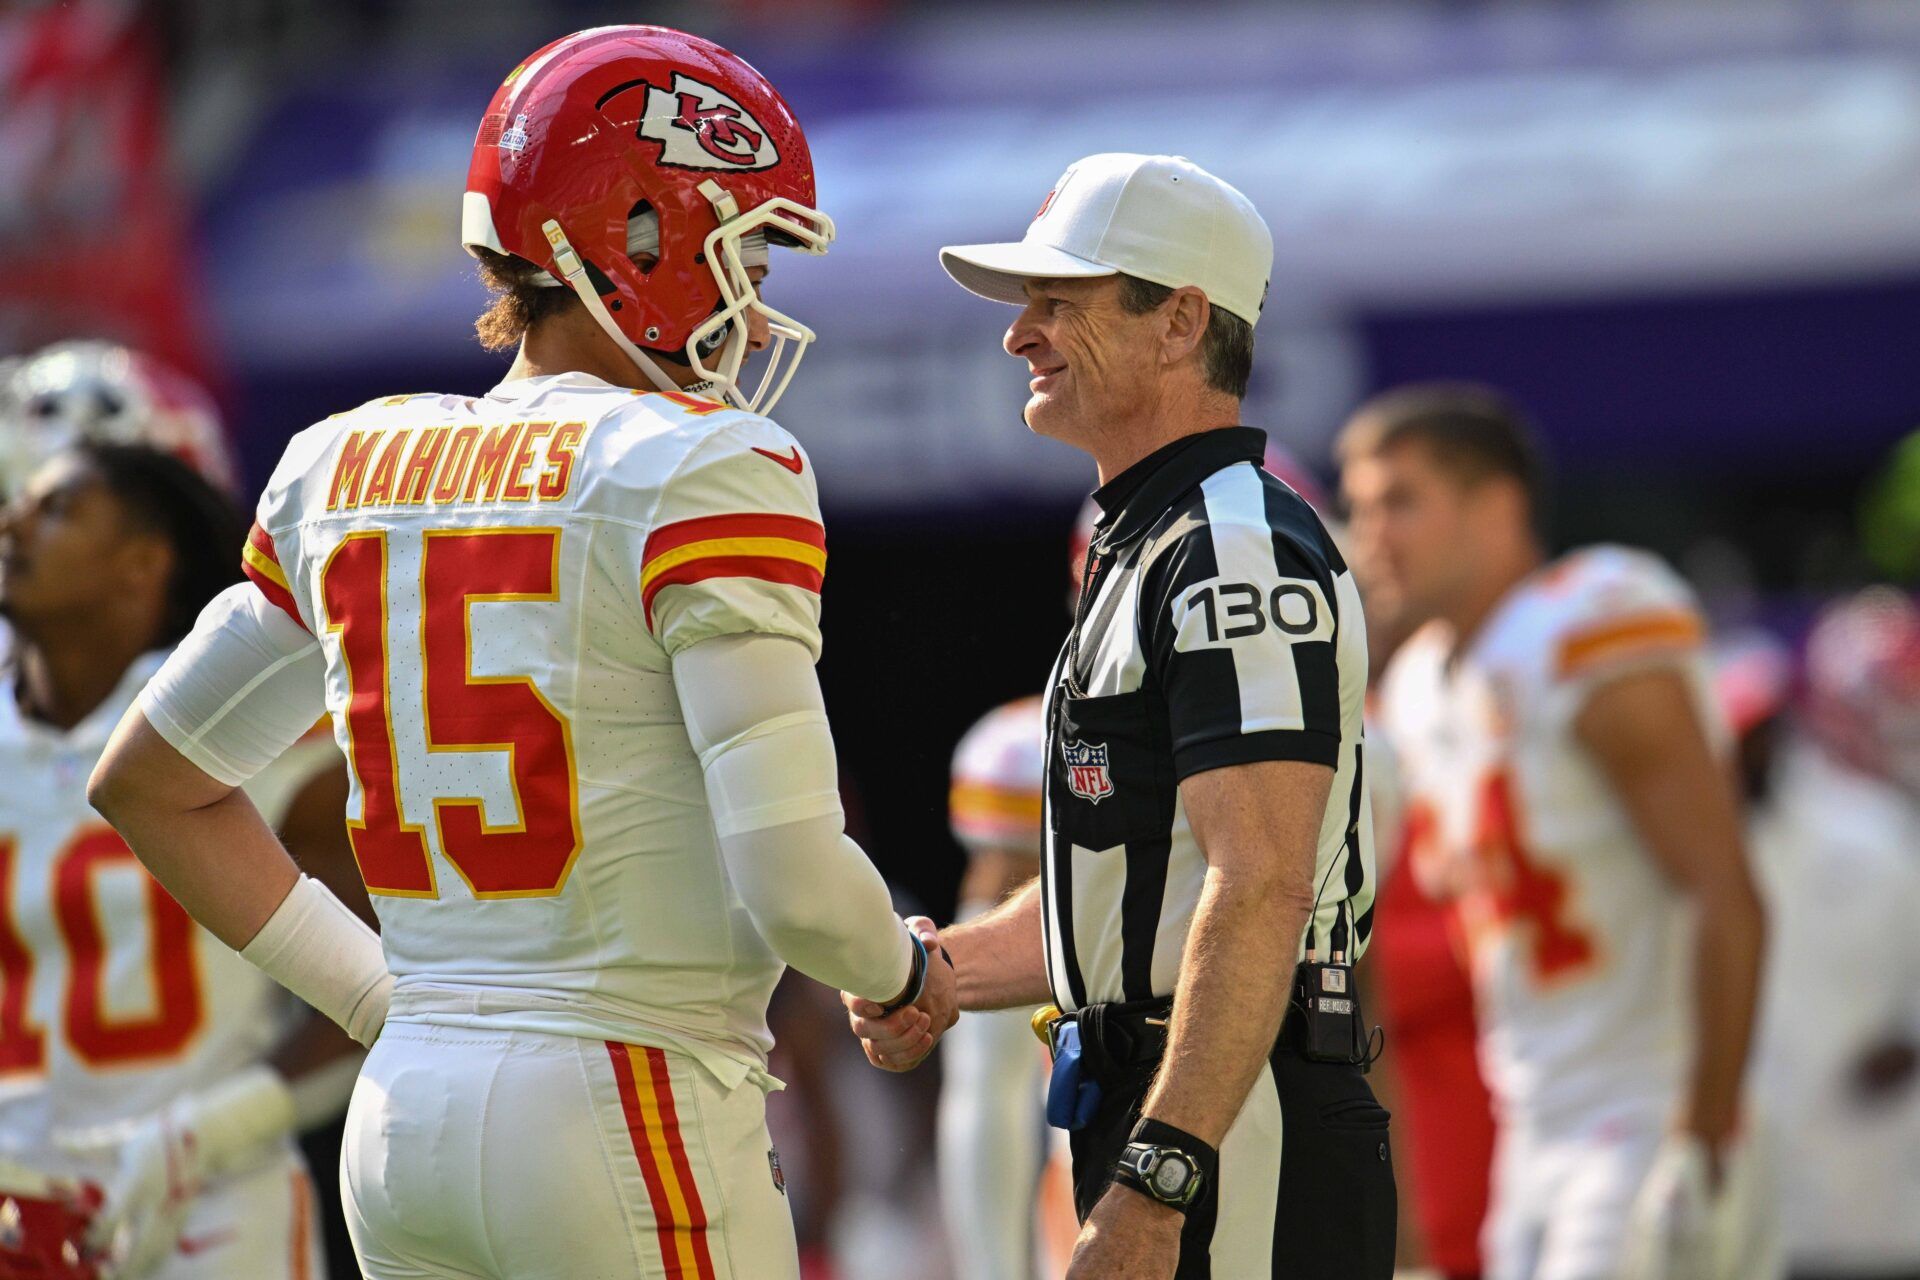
1161 218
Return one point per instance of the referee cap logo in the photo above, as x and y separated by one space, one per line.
1087 775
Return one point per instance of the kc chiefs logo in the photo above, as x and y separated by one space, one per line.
699 127
1087 775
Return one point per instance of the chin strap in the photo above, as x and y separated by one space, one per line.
574 269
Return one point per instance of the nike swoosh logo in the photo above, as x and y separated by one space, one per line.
795 464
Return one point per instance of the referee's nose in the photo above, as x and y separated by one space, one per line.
1024 336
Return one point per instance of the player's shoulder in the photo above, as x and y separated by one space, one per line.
675 439
1598 603
1006 745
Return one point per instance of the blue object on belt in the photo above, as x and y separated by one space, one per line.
1072 1099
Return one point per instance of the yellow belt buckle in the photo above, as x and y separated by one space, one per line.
1042 1023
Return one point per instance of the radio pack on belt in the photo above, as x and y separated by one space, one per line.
1329 1025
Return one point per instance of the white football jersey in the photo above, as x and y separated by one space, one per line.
499 585
1577 939
1839 856
114 1001
999 779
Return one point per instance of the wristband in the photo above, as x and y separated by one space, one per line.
916 977
1168 1165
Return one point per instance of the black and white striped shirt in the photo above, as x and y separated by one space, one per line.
1218 625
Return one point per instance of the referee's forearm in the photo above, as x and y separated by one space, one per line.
999 958
1232 993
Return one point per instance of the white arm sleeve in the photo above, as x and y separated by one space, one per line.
240 689
753 710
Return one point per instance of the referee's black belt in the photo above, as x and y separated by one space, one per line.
1121 1042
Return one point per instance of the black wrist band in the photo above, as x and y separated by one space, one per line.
916 977
1155 1133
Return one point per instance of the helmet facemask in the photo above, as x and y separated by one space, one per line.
784 222
780 220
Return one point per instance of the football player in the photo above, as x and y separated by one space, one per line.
566 632
1839 1057
1567 788
140 1059
993 1074
92 390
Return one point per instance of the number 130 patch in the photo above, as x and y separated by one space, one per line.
1218 613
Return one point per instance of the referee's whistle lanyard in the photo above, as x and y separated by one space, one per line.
1088 569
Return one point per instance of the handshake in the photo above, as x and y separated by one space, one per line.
901 1040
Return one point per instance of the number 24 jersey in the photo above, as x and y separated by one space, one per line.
1577 940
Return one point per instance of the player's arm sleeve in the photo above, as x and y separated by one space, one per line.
1240 624
736 546
240 689
754 713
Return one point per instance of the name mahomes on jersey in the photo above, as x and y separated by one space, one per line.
500 585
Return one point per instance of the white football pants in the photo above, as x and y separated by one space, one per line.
513 1154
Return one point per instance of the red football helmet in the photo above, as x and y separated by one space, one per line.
88 390
1863 684
622 128
43 1226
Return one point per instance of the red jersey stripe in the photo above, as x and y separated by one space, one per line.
276 595
790 573
707 528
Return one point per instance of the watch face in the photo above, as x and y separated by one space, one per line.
1171 1176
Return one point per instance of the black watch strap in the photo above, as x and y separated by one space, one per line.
1156 1145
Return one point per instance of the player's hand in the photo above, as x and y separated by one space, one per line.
1127 1237
902 1040
146 1199
1669 1234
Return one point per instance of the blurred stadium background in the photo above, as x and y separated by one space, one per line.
1684 234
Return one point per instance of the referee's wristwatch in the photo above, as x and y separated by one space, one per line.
1168 1165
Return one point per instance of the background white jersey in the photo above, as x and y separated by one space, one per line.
999 779
1839 856
499 585
114 1001
1577 938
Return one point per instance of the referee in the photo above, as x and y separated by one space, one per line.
1208 874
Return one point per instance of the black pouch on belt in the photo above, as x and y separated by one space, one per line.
1121 1043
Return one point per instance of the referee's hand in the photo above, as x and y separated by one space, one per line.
902 1041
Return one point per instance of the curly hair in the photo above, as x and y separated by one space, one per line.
518 303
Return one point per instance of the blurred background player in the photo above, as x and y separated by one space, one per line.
992 1138
91 390
1839 848
1564 784
568 629
137 1052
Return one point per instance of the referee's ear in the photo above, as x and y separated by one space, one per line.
1185 316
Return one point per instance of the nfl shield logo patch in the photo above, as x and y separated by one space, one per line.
1087 775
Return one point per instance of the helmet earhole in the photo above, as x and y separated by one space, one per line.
616 305
653 333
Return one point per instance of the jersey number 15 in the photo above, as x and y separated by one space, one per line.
530 857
